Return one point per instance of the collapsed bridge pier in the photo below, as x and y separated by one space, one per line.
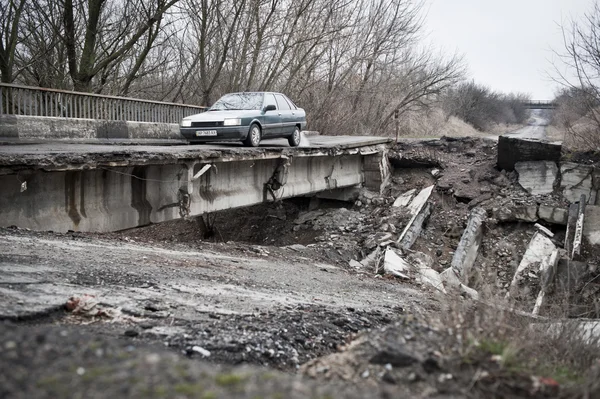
103 188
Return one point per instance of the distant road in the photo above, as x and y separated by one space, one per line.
536 129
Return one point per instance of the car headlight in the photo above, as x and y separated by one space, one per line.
186 123
232 122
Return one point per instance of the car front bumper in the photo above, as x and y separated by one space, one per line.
223 133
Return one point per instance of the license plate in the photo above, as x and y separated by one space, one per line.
206 133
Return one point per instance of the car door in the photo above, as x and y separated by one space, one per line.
288 120
271 119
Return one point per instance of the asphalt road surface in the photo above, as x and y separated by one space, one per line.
536 128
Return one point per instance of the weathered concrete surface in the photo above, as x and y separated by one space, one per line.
420 210
377 170
576 180
15 128
405 198
395 265
468 247
547 272
537 177
107 188
538 253
591 227
512 150
553 215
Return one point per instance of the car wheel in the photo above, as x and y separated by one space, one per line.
294 139
253 137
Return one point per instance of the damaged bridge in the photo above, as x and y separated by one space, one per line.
104 188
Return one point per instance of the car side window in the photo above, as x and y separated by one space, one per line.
270 99
292 105
282 103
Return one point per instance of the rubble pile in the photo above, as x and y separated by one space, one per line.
453 221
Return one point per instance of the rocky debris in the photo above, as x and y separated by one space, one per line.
512 150
537 177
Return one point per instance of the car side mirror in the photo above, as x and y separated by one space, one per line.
270 107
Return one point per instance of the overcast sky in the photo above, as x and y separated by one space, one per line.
506 43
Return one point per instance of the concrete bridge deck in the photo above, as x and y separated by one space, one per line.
83 187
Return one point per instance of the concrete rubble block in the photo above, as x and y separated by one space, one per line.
536 255
452 282
468 247
591 227
578 235
554 215
405 199
421 264
537 177
544 230
377 171
371 261
525 213
420 209
420 200
547 272
570 232
395 265
576 180
413 228
512 150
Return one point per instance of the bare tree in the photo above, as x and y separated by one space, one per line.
10 20
579 72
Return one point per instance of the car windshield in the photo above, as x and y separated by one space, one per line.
238 101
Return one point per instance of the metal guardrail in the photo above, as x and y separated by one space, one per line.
37 101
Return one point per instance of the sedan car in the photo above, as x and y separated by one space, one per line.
248 117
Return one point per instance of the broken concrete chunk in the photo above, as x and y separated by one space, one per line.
537 177
414 227
576 180
512 150
405 198
527 213
538 252
452 282
544 230
547 272
578 236
420 200
355 264
468 247
395 265
553 215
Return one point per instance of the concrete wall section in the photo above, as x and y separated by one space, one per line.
111 199
37 128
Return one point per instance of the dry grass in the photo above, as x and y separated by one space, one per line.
507 347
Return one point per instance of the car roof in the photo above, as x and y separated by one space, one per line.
255 92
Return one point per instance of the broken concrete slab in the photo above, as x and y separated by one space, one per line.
578 235
547 272
525 213
420 209
537 177
395 265
538 252
413 228
591 228
576 179
452 282
512 150
420 200
554 215
544 230
468 247
421 264
405 199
